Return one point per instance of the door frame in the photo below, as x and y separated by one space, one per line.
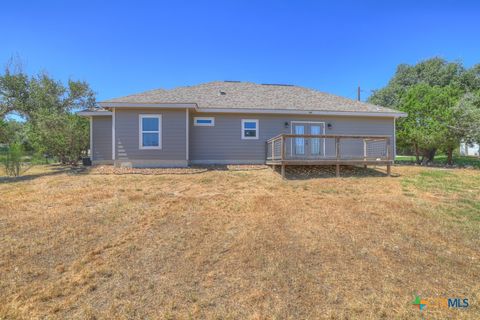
292 122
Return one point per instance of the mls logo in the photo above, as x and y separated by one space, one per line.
419 302
450 303
458 303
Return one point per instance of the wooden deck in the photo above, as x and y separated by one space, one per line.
337 150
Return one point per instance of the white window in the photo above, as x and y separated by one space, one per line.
150 131
249 129
204 121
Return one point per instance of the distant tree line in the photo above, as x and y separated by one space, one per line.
46 108
442 100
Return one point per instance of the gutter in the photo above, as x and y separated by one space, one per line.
94 113
148 105
253 111
304 112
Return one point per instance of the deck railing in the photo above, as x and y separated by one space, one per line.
329 148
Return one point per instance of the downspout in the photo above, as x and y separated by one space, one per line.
91 138
394 138
187 134
113 134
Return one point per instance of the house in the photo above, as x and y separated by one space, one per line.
469 149
233 122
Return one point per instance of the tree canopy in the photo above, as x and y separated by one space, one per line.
441 99
25 94
47 106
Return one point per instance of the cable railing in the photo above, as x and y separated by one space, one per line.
329 148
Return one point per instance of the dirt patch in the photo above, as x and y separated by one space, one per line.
165 171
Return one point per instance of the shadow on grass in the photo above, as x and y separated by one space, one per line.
52 171
319 172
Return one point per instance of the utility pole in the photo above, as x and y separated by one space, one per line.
358 93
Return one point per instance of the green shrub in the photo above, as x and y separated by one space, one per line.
13 160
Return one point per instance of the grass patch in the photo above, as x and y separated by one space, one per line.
456 195
462 161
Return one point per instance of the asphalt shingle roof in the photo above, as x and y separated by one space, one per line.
247 95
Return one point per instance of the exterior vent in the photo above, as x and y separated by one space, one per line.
277 84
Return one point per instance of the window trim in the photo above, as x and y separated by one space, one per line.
257 129
141 131
204 124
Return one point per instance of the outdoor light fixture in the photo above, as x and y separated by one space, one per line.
329 125
287 124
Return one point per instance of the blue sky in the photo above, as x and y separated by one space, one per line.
123 47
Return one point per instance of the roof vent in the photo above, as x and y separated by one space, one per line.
277 84
222 93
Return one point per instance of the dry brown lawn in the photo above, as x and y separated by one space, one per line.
238 244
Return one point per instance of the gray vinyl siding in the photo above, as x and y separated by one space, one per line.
101 138
223 141
173 132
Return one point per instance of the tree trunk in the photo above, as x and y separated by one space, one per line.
428 156
417 154
450 156
431 155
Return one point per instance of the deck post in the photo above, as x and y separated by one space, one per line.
337 170
389 170
282 155
388 149
266 150
273 150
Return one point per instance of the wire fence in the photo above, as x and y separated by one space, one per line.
28 157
